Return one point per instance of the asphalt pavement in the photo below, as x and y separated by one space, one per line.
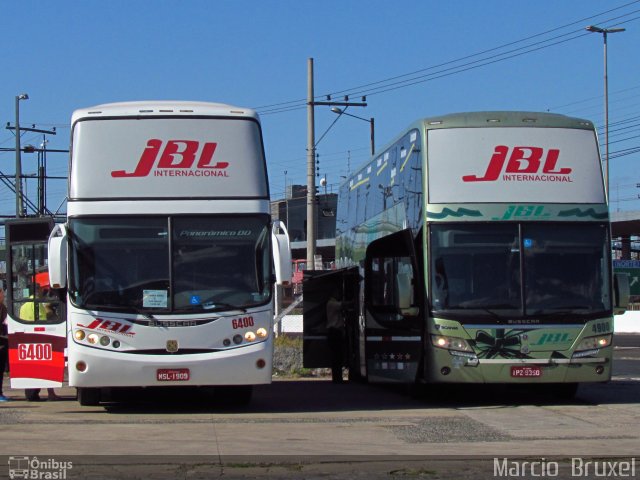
300 428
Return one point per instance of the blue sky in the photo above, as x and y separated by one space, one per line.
253 53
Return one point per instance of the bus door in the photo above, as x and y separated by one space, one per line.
36 313
319 286
392 309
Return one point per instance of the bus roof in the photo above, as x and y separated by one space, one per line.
163 108
489 118
505 119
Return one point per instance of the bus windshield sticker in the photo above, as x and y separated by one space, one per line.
208 234
195 300
528 243
154 299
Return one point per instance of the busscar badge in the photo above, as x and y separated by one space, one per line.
172 346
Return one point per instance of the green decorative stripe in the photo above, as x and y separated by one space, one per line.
461 212
576 212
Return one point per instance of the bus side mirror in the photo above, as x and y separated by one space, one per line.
281 253
621 292
58 257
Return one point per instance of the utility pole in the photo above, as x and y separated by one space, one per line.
22 96
41 161
42 176
311 158
311 178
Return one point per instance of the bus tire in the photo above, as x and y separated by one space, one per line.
418 390
88 397
354 375
236 395
354 372
565 391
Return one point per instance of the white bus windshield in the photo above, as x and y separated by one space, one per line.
178 264
519 270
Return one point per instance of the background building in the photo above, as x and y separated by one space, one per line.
292 210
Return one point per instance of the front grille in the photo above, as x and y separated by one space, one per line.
182 351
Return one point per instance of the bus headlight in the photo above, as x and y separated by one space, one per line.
451 343
93 338
594 343
249 336
79 335
262 332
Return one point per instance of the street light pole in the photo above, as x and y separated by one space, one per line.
373 140
370 121
604 32
22 96
286 199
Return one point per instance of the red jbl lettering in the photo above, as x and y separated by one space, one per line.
177 154
108 325
523 160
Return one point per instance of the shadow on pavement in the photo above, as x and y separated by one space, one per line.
315 396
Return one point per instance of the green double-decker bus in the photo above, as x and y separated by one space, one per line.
474 248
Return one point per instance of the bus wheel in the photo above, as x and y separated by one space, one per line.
353 367
355 376
565 391
88 397
236 395
418 390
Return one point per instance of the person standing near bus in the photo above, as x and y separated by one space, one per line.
335 333
4 343
44 312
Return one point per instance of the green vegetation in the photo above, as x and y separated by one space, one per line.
287 358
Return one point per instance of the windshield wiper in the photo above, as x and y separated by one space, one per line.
152 320
121 308
222 305
500 306
571 310
490 309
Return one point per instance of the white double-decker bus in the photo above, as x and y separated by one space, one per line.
163 273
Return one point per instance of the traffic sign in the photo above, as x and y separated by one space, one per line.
632 267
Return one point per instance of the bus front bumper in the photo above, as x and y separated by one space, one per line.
249 365
471 369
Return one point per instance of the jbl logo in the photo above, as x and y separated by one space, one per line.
109 325
177 155
523 160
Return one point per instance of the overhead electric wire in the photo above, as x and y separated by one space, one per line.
624 152
387 87
598 97
480 63
390 84
351 90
